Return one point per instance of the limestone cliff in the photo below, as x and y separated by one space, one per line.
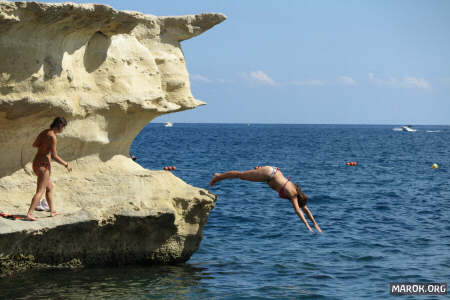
108 73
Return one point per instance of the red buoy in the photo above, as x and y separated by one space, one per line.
170 168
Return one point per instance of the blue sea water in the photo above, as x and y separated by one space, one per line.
385 220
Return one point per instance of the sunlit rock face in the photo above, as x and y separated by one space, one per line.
108 73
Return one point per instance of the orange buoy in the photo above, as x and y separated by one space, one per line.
174 168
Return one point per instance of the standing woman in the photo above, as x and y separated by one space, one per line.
274 178
46 150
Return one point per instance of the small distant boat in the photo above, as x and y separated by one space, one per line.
168 124
408 128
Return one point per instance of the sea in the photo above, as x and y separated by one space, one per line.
385 220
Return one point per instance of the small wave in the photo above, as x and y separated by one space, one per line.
392 251
279 266
347 277
345 257
369 258
382 207
386 194
310 266
271 235
239 218
321 276
325 198
433 131
422 241
372 267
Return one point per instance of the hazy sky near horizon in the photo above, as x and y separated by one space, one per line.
309 62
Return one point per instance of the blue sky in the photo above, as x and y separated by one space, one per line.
316 62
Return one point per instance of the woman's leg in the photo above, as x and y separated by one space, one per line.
42 181
49 197
258 175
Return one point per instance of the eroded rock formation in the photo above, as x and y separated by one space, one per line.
108 73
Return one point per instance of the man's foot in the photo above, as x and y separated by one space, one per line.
54 213
31 218
214 179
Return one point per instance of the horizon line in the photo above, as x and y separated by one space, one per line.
288 123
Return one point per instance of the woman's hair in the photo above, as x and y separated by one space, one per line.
58 122
302 198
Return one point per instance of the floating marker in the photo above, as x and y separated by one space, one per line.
434 166
170 168
351 163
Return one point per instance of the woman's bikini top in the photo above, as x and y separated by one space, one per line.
281 193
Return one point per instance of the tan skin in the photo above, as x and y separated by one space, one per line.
262 174
46 151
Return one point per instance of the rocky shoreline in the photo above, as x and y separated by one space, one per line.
9 265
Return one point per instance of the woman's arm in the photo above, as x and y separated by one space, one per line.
55 155
310 216
297 210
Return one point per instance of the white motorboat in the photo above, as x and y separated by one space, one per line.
408 128
168 124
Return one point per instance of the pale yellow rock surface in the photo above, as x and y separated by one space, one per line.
108 73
